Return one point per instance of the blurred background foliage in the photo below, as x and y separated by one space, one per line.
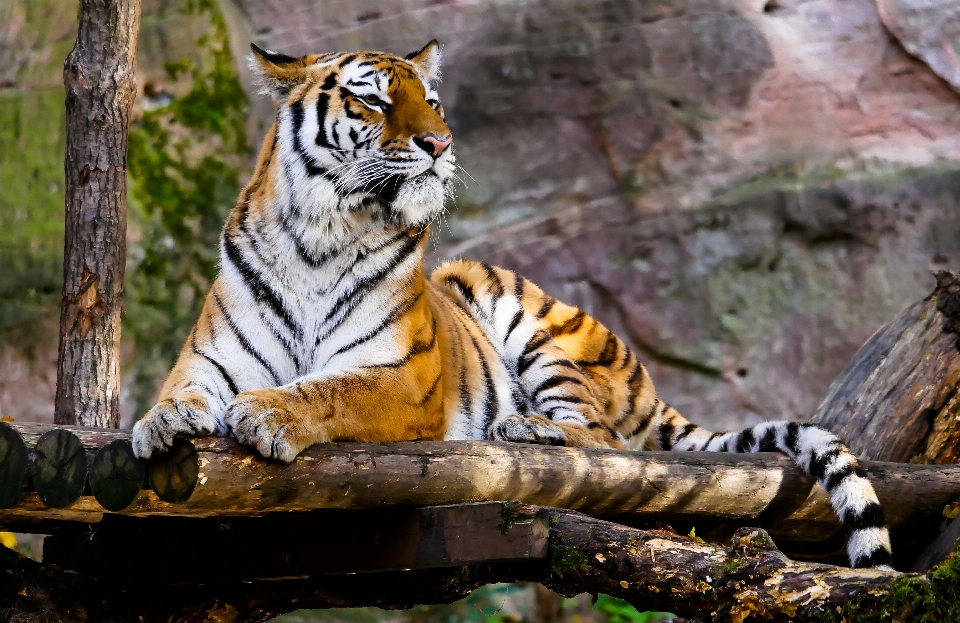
185 156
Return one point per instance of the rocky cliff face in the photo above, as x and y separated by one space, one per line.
744 189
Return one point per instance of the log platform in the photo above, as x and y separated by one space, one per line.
713 493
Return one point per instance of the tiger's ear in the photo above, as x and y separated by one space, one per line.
276 73
427 61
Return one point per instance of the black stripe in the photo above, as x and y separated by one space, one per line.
768 443
875 558
330 81
687 430
745 440
323 107
666 432
706 444
390 318
548 304
260 289
645 420
415 349
791 441
243 339
490 398
568 399
496 284
870 517
517 317
819 463
538 339
465 291
313 169
349 300
306 256
836 478
571 325
433 389
552 382
223 372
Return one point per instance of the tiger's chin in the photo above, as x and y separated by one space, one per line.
420 199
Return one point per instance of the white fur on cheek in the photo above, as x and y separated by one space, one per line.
419 199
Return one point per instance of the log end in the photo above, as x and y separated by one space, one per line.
59 468
13 465
116 475
173 475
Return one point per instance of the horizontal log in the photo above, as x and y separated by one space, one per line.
700 488
652 569
328 542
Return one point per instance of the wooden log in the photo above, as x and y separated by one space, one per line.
116 475
13 465
308 544
652 569
898 399
701 489
58 468
174 474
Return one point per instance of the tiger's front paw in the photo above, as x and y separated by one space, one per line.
264 420
529 429
183 415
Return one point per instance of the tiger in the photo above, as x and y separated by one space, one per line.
322 325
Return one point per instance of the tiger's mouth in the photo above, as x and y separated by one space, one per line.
417 200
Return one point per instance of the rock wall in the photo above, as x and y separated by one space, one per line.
744 189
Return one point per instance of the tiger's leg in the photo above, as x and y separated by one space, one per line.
376 404
566 409
213 365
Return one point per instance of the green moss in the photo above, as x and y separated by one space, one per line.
31 211
565 560
918 599
184 164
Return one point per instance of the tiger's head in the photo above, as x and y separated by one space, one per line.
362 130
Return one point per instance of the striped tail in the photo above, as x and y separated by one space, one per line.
820 454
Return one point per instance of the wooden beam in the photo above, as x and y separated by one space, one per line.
700 488
328 542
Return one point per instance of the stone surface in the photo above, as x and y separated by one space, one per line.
928 29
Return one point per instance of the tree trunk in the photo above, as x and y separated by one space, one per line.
898 399
100 88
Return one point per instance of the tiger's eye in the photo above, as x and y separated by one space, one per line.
374 101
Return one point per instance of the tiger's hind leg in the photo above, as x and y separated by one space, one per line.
562 399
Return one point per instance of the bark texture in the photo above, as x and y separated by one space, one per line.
655 569
100 88
899 398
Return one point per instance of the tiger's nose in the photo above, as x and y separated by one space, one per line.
432 144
